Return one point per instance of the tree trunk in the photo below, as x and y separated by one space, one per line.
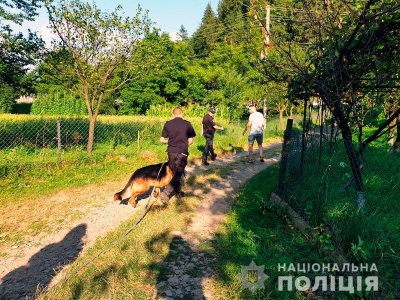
396 145
92 121
390 140
352 155
392 124
281 124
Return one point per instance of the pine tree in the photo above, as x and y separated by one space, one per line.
205 38
234 16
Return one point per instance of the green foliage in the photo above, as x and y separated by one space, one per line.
165 82
7 97
100 46
17 10
165 110
21 108
360 250
207 35
325 239
234 17
59 103
16 55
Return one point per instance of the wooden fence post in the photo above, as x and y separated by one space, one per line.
285 154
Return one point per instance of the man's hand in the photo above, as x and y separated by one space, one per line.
163 140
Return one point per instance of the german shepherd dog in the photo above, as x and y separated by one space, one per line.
158 175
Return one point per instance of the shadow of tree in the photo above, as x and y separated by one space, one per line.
181 273
26 280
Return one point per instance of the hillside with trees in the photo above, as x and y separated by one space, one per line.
343 54
111 79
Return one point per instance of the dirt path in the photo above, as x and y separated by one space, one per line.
27 266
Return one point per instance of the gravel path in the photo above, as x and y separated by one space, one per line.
186 270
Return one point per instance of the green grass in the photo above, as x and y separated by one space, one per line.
256 232
371 236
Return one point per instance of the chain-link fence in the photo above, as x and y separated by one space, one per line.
317 182
29 143
65 133
71 132
316 168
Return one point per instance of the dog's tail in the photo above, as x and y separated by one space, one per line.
117 196
124 194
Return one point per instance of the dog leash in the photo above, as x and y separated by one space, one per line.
141 217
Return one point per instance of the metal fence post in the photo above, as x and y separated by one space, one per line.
138 141
59 141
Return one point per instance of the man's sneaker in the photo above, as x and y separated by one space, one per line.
261 159
164 199
213 157
205 163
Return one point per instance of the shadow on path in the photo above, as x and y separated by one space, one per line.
41 268
182 272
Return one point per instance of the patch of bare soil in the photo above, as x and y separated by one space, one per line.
38 261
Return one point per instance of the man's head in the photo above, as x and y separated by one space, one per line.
252 108
211 111
177 112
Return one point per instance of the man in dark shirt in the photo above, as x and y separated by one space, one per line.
178 134
208 130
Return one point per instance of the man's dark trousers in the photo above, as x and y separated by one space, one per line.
177 163
209 148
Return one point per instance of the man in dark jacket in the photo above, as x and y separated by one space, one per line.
178 134
208 130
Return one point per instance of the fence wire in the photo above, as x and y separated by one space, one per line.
319 185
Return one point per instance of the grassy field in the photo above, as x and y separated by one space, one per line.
255 231
32 171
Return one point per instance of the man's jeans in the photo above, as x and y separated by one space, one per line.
177 163
209 148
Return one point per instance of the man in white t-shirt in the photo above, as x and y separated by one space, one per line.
256 124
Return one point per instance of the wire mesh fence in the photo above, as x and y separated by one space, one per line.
49 144
66 133
319 186
71 132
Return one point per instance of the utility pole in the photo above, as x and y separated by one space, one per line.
267 46
267 22
266 33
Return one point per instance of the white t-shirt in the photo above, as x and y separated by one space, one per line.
257 123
